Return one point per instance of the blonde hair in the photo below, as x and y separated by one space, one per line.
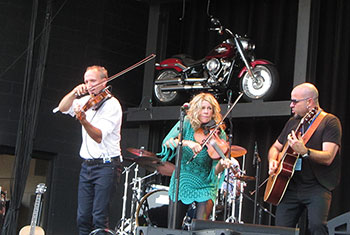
196 107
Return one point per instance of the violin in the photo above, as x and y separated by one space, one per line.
95 102
216 146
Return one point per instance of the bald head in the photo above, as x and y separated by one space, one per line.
307 90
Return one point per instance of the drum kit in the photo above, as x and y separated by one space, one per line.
156 199
151 163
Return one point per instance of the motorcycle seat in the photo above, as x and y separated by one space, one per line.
187 60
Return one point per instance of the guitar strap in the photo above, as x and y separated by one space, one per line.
314 126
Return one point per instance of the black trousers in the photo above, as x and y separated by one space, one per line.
317 200
96 184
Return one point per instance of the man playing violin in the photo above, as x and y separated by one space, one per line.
101 120
317 170
198 178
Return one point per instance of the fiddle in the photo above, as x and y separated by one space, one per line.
94 102
217 147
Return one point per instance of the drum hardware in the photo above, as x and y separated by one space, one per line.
232 199
148 161
141 152
246 178
122 223
127 225
234 177
121 226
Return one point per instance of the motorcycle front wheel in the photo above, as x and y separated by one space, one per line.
165 97
263 86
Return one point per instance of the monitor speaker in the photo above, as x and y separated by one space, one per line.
244 229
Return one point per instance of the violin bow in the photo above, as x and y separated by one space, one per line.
141 62
148 58
216 127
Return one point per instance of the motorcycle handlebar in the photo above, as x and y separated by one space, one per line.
230 33
221 31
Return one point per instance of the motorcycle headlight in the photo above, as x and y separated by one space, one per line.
213 65
247 44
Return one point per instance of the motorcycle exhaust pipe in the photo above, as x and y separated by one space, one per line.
178 80
168 81
182 87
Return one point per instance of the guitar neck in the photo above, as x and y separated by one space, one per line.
286 148
35 213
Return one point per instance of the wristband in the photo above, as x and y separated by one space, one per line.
306 155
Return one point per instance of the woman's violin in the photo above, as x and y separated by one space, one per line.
95 102
208 136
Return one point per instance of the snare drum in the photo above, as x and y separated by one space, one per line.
153 209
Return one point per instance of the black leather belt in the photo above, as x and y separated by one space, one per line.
97 161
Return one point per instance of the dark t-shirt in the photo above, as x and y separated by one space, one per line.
311 174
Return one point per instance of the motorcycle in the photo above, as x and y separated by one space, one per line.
257 79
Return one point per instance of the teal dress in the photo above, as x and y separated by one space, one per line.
198 181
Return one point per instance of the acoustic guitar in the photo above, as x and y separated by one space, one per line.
277 183
33 229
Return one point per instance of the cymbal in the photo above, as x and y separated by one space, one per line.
166 168
149 166
148 162
246 178
140 152
237 151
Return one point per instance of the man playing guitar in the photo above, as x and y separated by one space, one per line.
317 168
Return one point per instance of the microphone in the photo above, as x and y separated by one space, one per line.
185 106
256 157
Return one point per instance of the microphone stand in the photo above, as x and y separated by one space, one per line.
177 167
230 138
256 164
259 205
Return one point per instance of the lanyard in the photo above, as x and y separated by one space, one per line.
311 122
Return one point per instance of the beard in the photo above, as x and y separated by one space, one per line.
297 116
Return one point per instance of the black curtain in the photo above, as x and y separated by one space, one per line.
272 26
31 96
331 78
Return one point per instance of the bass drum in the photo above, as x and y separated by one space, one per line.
153 209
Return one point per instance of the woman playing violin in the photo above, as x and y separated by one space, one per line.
199 177
100 117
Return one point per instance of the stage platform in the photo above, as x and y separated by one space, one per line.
205 227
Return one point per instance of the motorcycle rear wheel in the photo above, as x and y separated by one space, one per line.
264 87
166 97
